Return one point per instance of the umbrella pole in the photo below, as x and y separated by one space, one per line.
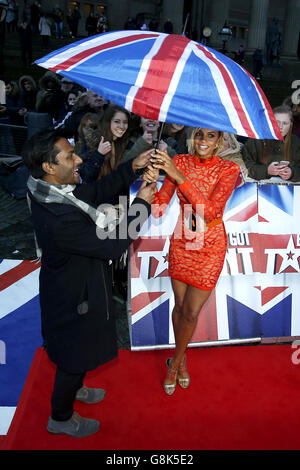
185 25
158 140
159 136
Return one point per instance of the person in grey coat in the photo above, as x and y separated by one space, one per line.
77 240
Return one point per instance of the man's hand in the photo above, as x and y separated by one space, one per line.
151 174
142 160
147 192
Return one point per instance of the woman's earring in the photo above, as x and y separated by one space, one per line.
219 145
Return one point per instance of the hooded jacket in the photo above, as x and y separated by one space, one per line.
27 98
49 100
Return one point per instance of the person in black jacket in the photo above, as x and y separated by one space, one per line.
90 103
77 241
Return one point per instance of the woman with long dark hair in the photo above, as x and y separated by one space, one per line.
113 128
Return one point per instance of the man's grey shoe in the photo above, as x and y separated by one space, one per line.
90 395
76 426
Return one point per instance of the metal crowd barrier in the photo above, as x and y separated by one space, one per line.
12 139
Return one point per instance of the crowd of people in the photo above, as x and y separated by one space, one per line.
94 149
91 158
35 16
87 118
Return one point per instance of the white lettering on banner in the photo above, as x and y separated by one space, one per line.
231 263
238 258
289 257
232 266
238 239
271 263
246 259
146 258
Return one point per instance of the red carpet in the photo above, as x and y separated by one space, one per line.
241 397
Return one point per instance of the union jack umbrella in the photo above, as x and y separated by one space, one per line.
169 78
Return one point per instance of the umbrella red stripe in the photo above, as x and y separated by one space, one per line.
233 94
85 54
269 110
158 78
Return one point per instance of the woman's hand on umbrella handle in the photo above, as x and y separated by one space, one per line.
104 147
162 161
142 161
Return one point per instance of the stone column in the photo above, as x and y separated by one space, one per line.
291 28
258 24
218 14
173 10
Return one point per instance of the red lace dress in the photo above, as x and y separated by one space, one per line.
199 241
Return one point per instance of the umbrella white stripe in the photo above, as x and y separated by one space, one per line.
143 72
174 83
233 83
118 46
224 92
242 103
270 125
100 40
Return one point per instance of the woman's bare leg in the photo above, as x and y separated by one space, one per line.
188 303
193 302
179 289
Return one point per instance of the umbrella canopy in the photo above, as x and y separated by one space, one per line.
169 78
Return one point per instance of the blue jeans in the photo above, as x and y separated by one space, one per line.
59 29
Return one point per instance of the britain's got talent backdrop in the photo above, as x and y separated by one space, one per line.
257 295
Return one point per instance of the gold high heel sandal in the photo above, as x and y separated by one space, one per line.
183 376
170 380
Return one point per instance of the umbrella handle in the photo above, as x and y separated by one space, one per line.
157 141
159 136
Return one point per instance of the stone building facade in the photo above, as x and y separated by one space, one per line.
248 20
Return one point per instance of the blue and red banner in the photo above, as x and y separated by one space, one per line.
257 294
20 330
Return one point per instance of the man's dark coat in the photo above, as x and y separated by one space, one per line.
75 276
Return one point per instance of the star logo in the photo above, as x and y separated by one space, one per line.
163 259
289 257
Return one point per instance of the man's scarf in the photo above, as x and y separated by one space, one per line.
45 193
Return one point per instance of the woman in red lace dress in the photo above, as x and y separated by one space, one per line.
204 183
